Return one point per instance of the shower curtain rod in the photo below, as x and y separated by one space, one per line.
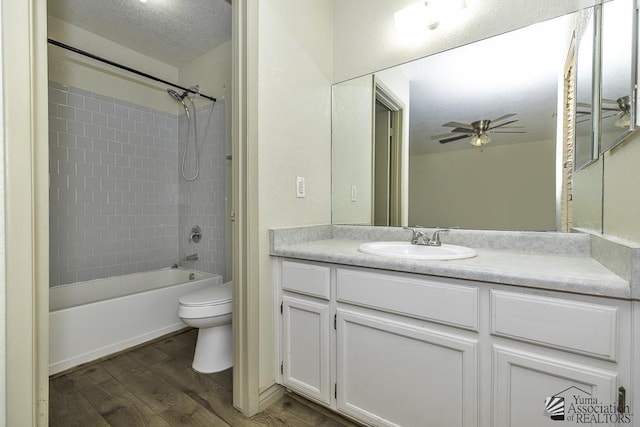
124 67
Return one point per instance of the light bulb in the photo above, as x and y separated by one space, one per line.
479 140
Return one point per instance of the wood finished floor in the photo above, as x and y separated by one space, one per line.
154 385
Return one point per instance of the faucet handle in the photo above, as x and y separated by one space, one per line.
435 239
415 233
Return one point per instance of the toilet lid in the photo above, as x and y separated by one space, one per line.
211 295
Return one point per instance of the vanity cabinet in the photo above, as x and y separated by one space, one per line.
305 344
390 349
394 373
306 330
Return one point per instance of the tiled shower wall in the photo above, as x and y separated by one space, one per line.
117 202
113 186
203 202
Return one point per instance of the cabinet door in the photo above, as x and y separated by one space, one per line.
531 390
391 373
305 347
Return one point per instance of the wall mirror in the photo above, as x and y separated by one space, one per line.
586 147
617 72
478 142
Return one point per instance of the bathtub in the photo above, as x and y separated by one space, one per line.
90 320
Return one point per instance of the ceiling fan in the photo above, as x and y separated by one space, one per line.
620 108
477 131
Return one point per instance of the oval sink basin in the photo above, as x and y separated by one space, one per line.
409 251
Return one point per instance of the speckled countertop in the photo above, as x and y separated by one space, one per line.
553 261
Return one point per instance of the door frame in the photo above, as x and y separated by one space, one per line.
386 97
26 211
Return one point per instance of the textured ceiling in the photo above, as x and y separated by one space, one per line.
172 31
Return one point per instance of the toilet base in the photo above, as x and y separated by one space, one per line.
214 349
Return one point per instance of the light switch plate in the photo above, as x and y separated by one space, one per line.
300 187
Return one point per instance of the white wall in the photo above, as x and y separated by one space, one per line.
3 334
366 40
586 197
467 188
73 69
352 110
621 186
294 134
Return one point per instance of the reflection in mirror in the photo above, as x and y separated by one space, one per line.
501 94
585 151
616 72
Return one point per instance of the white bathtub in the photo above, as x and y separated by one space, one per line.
93 319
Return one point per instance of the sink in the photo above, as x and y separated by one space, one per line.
410 251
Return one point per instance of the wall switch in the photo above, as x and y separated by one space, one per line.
354 193
300 187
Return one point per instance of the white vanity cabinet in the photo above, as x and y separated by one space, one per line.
389 349
567 356
395 368
306 330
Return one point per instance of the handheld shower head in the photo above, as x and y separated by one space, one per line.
180 98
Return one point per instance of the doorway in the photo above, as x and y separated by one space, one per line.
387 158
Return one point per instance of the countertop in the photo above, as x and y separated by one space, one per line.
574 271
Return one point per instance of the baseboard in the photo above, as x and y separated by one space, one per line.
270 396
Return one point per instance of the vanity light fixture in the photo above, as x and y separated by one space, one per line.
425 14
478 140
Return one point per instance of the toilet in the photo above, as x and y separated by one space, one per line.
209 309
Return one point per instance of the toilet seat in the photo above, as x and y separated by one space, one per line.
211 301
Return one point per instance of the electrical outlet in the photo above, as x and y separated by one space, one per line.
300 187
354 193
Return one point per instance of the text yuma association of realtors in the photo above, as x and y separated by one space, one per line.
589 410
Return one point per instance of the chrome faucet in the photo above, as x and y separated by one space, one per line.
435 239
192 257
420 238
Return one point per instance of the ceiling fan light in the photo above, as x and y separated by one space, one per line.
479 140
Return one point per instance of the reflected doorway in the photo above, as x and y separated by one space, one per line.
387 155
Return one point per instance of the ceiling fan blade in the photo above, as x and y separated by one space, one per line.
442 135
583 112
455 138
458 130
503 124
610 109
458 125
506 116
514 131
583 105
610 101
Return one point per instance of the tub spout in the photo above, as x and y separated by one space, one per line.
192 257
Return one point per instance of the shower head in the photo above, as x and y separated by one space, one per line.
180 98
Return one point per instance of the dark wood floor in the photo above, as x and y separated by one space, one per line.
154 385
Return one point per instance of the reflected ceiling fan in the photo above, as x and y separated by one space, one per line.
477 131
620 108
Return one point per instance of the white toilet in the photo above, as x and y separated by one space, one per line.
209 309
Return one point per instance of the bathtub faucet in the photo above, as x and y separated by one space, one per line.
192 257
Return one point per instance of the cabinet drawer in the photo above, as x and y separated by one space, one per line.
570 325
420 298
306 279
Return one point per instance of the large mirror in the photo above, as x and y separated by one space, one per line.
618 76
477 136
